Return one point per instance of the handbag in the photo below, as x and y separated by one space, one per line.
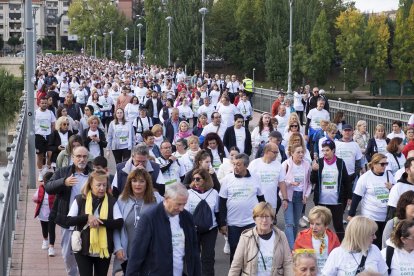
76 240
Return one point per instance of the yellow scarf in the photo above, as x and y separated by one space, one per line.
98 240
323 245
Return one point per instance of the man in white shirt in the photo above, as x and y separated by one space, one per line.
141 92
396 130
215 126
44 125
239 193
170 167
207 108
106 109
282 118
114 92
233 87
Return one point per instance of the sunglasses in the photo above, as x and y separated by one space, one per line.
384 164
293 126
64 124
197 179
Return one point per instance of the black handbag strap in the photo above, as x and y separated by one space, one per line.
361 265
388 257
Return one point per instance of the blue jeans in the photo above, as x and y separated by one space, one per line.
292 216
233 235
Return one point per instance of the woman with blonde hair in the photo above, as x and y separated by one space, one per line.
94 138
201 188
356 253
96 212
136 197
158 134
58 140
378 143
297 139
372 190
263 249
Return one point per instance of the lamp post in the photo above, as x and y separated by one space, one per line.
169 20
344 78
137 16
84 44
94 36
139 41
91 44
254 70
203 12
34 10
126 29
289 89
111 33
104 46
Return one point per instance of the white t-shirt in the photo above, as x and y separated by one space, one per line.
227 113
114 95
270 175
178 245
381 146
43 122
215 95
402 262
74 210
241 194
297 101
216 162
395 163
211 197
122 134
399 174
245 108
316 116
216 129
94 148
233 87
299 176
396 191
329 183
81 96
240 138
131 112
208 110
343 263
282 122
393 135
185 111
320 258
174 172
266 248
140 93
374 195
349 152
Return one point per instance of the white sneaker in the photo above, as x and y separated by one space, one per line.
51 252
226 248
45 244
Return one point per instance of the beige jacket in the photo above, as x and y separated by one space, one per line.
246 255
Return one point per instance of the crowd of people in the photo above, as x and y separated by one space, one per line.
189 166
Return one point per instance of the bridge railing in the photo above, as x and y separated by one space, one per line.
9 191
264 98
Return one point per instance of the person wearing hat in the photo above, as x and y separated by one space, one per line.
350 152
279 101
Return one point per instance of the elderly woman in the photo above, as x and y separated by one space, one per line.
58 139
137 196
94 138
400 257
361 136
263 249
304 264
95 213
373 189
404 210
318 237
202 189
356 251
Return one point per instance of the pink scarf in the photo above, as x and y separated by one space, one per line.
330 162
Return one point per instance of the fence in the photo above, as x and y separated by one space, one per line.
9 192
264 98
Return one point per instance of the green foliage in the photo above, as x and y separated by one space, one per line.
276 61
14 41
1 42
10 92
350 44
301 64
322 50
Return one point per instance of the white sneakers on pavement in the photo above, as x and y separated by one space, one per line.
45 244
51 252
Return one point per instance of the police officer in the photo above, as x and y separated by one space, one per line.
248 86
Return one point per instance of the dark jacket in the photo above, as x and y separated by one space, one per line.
149 105
82 219
229 140
74 111
54 142
56 186
152 248
169 129
222 155
372 148
102 140
344 185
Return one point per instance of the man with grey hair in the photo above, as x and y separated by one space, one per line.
166 242
139 159
239 193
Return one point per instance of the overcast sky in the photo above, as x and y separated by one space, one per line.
376 5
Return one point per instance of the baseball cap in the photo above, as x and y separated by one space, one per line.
347 126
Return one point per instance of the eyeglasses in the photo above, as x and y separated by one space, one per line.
264 217
384 164
197 179
315 91
293 126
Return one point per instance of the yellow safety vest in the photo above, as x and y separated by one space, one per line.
248 85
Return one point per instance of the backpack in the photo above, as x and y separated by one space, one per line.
203 218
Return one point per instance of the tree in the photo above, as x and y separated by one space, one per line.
14 41
276 61
350 44
322 50
1 42
301 65
377 35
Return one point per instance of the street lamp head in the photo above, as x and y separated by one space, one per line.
203 11
90 37
94 35
126 29
140 25
111 32
169 19
254 69
104 34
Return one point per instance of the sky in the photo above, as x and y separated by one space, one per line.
376 5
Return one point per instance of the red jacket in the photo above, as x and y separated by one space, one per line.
408 147
39 199
304 240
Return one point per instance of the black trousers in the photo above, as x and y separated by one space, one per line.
300 115
89 266
121 155
379 232
207 242
337 219
48 230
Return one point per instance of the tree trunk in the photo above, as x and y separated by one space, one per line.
366 76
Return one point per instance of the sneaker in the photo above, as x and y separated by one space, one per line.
303 223
226 248
45 244
51 252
